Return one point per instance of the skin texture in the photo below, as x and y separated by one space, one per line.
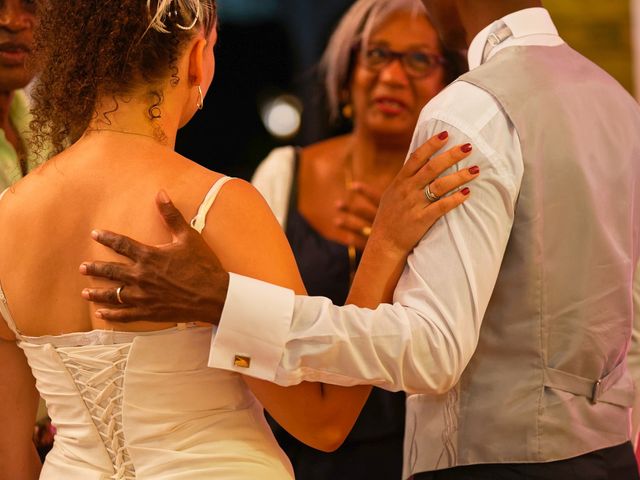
459 21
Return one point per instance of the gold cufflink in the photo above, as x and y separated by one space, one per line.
242 361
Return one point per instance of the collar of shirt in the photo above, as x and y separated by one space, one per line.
10 171
531 26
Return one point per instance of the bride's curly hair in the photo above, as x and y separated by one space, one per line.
86 49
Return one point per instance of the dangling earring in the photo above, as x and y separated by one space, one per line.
200 99
347 111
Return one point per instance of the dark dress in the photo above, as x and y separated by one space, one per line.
373 449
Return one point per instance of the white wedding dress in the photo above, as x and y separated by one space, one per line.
146 406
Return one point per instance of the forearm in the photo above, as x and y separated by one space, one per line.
18 405
20 461
377 275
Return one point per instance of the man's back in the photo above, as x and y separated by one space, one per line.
548 379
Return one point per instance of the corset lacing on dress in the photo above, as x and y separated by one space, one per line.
99 380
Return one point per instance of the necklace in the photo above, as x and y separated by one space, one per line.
351 249
158 135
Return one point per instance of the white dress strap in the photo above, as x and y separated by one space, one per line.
199 221
4 310
3 192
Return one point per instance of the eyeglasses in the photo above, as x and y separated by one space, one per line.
415 62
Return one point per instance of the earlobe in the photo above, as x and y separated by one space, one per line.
196 62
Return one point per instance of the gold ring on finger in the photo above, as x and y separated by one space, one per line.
431 197
118 291
366 231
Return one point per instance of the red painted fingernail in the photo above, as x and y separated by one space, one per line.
474 170
465 191
466 148
444 135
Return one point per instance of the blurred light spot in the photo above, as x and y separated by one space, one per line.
282 116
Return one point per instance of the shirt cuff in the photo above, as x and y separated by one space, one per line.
253 329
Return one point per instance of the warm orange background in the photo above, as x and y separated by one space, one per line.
600 30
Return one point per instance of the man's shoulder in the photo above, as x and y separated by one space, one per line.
462 105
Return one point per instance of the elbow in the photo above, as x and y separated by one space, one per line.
446 383
327 438
444 373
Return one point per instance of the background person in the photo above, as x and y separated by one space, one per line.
17 19
383 63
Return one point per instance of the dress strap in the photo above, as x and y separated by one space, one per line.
4 310
3 192
199 221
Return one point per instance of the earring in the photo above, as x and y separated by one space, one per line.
200 103
347 111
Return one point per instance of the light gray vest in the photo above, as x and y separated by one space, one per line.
548 380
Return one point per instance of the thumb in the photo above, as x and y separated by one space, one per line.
171 215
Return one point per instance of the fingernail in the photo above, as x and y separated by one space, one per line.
99 314
444 135
340 204
474 170
466 148
465 191
95 234
83 269
85 293
163 197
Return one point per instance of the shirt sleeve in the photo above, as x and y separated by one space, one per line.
424 340
633 358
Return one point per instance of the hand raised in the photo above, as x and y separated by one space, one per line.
357 213
181 281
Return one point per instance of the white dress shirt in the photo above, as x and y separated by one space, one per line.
423 342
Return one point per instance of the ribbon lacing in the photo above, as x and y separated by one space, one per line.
99 380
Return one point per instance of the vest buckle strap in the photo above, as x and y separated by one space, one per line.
605 389
597 391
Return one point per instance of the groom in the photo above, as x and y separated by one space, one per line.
512 320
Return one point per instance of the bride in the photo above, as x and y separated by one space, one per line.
117 80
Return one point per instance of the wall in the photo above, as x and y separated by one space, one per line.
601 30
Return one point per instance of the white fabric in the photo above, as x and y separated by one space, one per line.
199 221
146 406
273 179
423 342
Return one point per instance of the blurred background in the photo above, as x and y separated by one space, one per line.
267 93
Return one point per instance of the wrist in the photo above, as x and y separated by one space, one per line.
217 298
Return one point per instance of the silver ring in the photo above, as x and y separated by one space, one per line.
431 197
118 290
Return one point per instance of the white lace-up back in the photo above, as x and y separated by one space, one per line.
146 406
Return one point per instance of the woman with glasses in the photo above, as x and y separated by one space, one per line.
383 63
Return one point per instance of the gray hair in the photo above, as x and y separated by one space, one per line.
354 29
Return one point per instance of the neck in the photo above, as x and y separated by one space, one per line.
6 97
131 118
374 159
475 16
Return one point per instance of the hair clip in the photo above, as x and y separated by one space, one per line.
193 24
